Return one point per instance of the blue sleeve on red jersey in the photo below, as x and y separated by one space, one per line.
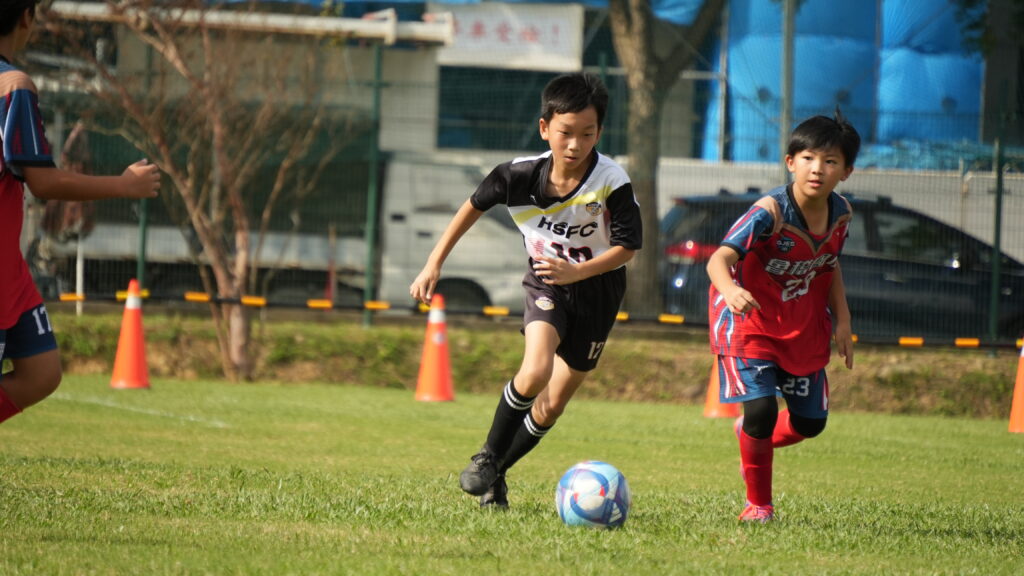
23 135
757 222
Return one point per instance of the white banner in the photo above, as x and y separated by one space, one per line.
521 36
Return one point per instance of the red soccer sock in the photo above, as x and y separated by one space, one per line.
756 456
7 408
784 435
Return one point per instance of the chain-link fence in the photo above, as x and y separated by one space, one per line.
919 263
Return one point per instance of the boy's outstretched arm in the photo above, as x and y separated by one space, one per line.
140 180
841 317
422 288
739 299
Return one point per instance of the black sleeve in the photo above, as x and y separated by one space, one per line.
626 224
493 190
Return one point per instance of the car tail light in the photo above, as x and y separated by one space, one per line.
689 252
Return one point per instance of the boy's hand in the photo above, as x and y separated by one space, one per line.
141 180
555 271
844 343
422 288
741 301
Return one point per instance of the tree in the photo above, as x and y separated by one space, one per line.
651 70
986 24
230 118
995 29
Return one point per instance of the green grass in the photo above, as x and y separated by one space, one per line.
209 477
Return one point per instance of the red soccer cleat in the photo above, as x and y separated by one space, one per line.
754 513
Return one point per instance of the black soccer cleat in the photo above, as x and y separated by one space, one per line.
480 474
497 496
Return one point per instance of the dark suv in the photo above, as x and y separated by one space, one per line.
906 274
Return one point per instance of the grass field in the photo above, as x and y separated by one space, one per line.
196 477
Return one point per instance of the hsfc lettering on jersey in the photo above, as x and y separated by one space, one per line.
803 271
566 229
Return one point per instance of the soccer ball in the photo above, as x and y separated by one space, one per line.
593 494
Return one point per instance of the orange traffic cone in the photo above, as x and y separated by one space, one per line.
130 369
1017 408
713 407
435 381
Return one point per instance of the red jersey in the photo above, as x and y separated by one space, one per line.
789 272
24 144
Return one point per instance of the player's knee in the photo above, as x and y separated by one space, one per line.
547 413
44 383
533 378
51 382
807 427
760 416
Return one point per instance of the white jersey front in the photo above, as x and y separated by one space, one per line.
600 213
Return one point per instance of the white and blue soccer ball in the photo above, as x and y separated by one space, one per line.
593 494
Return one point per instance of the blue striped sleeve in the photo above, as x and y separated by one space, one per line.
23 135
756 222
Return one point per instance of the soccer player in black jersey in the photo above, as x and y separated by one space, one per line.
580 223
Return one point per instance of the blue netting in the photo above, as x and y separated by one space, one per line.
922 71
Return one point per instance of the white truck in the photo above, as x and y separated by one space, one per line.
422 192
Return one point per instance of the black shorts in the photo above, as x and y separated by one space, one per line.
583 313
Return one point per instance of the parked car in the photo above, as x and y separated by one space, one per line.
906 274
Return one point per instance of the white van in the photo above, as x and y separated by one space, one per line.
421 194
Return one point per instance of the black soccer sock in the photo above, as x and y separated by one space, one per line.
526 439
507 419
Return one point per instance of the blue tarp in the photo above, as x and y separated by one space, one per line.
928 96
921 84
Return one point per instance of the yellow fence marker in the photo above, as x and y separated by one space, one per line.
254 301
495 310
122 295
197 297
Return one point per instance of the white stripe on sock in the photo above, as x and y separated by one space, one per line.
533 428
514 402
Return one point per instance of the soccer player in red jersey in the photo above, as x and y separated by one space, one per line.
26 336
776 300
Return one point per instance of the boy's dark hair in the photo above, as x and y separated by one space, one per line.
11 11
570 93
822 132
